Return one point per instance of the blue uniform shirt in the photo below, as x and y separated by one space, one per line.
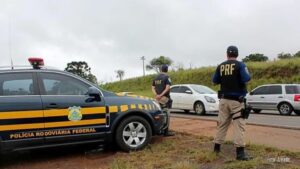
233 79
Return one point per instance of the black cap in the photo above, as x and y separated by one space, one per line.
164 68
232 51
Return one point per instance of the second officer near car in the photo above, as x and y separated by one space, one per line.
161 89
232 76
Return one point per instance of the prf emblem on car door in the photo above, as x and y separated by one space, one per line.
74 113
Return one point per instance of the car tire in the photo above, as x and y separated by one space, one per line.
199 108
256 110
187 111
133 133
297 112
285 109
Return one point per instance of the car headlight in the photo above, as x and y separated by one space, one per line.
156 105
210 99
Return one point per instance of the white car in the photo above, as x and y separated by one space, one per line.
198 98
282 97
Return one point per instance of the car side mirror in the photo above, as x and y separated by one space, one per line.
188 92
94 94
251 93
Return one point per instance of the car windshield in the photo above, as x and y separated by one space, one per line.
203 89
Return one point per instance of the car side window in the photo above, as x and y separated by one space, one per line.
275 90
261 90
175 89
12 84
292 89
183 89
58 84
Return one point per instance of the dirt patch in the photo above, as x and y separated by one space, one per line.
185 151
275 137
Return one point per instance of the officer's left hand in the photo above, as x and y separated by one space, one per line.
158 97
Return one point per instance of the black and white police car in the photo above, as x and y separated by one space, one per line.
42 108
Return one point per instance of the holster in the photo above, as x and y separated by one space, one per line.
245 112
220 94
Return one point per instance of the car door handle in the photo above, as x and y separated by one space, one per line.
280 97
52 105
262 97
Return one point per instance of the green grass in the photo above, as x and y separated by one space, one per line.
186 151
281 71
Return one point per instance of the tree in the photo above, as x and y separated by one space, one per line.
284 55
81 69
120 74
256 57
156 63
297 54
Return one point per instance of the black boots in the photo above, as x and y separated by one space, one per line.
217 148
240 152
241 155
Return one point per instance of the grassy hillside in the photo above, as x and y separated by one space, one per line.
281 71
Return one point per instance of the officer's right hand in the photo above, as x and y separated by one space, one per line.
158 97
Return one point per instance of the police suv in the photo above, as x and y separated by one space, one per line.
42 108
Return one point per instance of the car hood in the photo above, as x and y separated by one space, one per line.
127 100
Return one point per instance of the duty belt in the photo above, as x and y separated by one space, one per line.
235 98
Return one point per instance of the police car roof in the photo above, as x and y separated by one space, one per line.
24 68
31 69
42 69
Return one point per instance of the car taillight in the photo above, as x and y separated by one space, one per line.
297 98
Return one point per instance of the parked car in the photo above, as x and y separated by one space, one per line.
42 108
198 98
282 97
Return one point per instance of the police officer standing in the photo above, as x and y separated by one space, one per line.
232 76
161 89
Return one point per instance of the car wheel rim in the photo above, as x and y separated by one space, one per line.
198 108
284 109
134 134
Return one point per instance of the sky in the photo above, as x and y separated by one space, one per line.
114 34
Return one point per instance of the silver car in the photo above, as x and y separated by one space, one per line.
282 97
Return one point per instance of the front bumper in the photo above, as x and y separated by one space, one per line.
212 107
160 123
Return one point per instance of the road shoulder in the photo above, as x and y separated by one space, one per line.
286 139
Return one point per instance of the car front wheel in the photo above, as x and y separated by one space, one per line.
133 133
285 109
199 108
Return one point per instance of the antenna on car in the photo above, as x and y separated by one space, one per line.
11 63
9 43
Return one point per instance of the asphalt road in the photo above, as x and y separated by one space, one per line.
265 118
